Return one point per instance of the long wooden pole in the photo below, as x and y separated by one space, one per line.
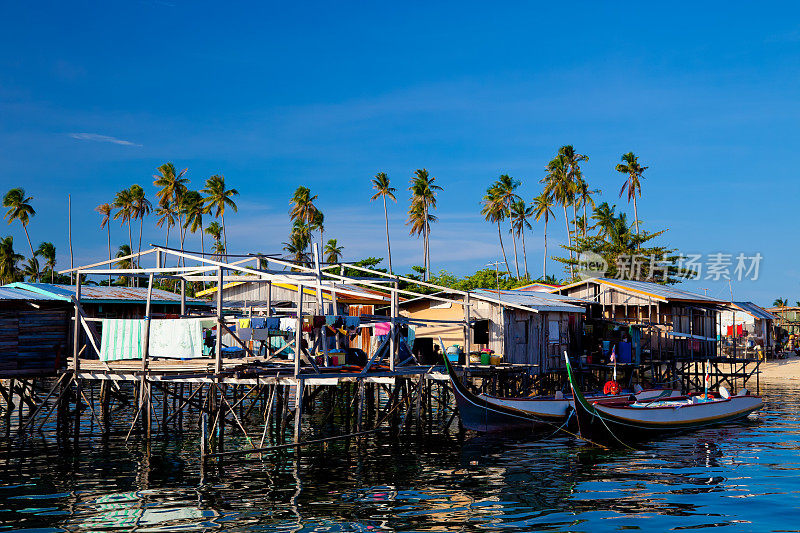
298 335
76 337
218 362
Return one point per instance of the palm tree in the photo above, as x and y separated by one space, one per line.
218 198
635 173
296 247
573 161
31 269
215 230
140 208
383 190
193 206
8 260
19 208
302 207
124 264
559 186
584 196
780 302
506 185
494 211
105 210
423 198
123 201
542 208
172 185
318 224
333 252
521 213
605 217
167 214
47 251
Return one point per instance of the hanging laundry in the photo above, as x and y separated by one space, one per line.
245 334
288 324
258 322
177 339
330 320
260 334
121 339
244 322
382 328
273 323
318 321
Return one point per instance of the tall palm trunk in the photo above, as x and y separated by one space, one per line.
130 246
141 228
108 228
503 248
636 219
25 227
544 262
224 234
525 254
569 239
388 245
516 260
426 228
585 220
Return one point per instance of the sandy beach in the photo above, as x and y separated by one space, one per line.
781 369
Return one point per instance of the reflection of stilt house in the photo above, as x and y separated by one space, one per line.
673 330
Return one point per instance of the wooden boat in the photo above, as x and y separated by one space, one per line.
485 413
621 421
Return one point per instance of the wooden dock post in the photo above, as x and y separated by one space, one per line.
467 331
298 335
298 408
145 398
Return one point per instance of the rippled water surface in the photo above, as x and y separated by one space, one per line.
743 477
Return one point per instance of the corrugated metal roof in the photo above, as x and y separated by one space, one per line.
11 293
534 300
755 310
104 294
666 292
369 296
538 287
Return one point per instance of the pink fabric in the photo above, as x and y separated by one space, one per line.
383 328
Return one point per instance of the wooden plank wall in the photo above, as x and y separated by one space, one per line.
32 339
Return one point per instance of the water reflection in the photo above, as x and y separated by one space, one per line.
740 476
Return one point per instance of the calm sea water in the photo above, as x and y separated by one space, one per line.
742 477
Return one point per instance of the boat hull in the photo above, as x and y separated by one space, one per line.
620 422
491 415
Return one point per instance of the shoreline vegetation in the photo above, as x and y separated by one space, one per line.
599 231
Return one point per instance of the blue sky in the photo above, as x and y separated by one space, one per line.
93 97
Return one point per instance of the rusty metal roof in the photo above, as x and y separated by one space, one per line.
104 294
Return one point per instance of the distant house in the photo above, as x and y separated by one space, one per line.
261 296
101 301
745 326
679 324
526 327
539 287
787 325
34 332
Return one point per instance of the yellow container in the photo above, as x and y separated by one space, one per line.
495 359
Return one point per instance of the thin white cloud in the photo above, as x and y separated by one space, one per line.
101 138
